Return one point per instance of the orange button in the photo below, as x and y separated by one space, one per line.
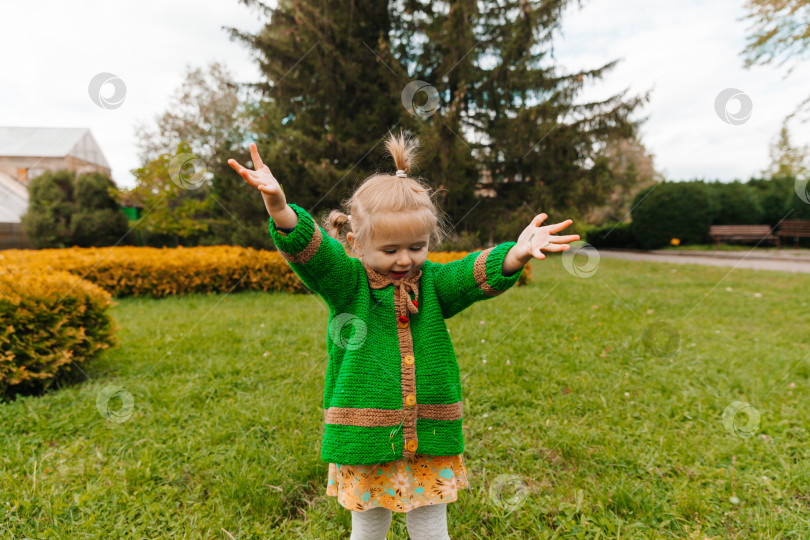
402 324
409 359
410 399
411 445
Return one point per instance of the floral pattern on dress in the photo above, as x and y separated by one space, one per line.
399 485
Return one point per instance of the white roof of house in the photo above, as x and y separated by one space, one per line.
51 142
13 199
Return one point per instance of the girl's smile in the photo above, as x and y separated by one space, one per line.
395 253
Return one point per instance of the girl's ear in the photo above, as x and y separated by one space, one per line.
350 238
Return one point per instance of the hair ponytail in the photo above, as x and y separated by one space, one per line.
336 225
403 151
378 204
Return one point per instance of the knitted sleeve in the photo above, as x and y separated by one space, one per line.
477 276
317 258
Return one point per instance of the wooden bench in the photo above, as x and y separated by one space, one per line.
794 228
746 233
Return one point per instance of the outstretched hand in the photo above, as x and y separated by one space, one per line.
262 179
534 238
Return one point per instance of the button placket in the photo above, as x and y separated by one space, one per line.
404 306
408 373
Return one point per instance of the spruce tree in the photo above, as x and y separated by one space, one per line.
336 73
327 103
503 95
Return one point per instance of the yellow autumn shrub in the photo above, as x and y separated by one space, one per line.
158 272
49 323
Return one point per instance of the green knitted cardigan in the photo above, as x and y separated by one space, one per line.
392 387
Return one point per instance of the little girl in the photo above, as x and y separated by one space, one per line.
392 398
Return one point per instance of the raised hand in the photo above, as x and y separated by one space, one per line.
534 238
262 179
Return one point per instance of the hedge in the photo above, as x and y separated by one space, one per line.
682 210
159 272
734 203
49 322
612 235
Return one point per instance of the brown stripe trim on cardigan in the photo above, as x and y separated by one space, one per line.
349 416
308 252
480 273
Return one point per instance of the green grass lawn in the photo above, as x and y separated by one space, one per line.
608 434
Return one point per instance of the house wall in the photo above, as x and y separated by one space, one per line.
24 169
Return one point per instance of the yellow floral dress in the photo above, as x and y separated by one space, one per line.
400 485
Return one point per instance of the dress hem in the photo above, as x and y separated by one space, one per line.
400 485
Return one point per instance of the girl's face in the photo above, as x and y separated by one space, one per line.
395 255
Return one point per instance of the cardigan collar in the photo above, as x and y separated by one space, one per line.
401 288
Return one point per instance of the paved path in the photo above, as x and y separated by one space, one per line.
784 260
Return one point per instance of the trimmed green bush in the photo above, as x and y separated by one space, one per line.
661 212
801 209
735 203
99 220
67 210
51 205
611 235
774 197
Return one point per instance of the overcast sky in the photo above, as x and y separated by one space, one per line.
686 51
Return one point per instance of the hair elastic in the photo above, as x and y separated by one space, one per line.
401 173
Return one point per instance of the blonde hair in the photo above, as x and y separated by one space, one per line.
380 203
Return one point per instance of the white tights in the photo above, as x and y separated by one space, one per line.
424 523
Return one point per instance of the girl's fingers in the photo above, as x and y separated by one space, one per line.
244 171
248 175
559 226
254 154
567 238
539 219
235 164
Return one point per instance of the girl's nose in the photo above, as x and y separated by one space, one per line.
404 260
